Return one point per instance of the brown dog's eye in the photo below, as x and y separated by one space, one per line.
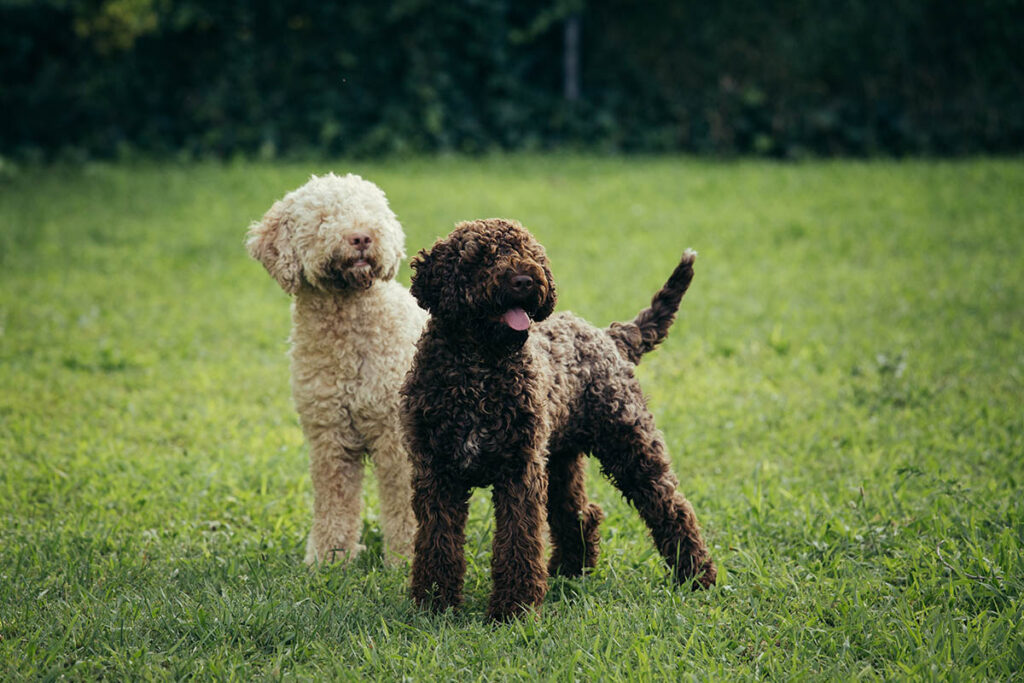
469 251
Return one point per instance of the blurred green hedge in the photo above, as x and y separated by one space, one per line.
363 77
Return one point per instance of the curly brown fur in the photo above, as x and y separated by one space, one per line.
502 395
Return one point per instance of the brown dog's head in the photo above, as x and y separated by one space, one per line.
334 234
488 277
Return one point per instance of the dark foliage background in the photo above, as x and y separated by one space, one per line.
362 77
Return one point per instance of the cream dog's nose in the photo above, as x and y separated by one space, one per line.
360 241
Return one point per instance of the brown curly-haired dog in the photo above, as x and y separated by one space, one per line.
502 395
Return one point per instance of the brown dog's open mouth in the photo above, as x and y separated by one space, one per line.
517 319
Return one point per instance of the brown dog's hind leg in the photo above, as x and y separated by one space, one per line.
632 454
573 521
439 561
517 564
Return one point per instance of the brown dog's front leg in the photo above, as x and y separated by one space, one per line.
439 562
517 565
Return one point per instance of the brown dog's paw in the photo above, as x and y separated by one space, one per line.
505 613
436 600
705 577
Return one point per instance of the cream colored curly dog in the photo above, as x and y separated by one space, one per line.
336 245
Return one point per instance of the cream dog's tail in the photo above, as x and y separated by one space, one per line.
650 326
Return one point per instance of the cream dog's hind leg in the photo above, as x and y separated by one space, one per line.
394 471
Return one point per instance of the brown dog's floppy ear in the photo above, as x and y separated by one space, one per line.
269 242
423 286
547 307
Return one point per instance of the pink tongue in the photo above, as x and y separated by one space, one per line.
516 318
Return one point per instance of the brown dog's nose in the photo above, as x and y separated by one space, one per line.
522 283
360 241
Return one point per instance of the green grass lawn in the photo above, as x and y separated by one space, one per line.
842 398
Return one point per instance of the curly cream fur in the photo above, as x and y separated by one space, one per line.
336 245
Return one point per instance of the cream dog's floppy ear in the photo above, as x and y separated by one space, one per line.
398 250
270 243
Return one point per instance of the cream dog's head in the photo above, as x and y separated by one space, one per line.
333 233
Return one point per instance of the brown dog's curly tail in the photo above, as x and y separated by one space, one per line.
650 326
